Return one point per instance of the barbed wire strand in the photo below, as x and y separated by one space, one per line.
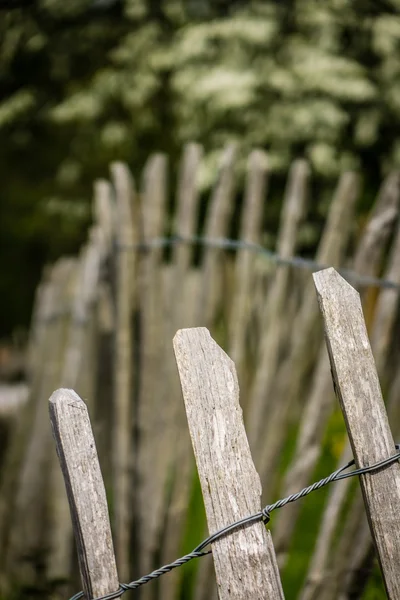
230 244
262 515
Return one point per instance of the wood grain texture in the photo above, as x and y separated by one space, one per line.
366 420
347 555
381 337
367 261
244 561
77 453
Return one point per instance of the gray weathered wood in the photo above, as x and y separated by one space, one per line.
346 553
217 225
250 231
77 453
302 350
244 561
153 408
367 261
72 367
125 263
103 213
211 289
384 215
320 398
27 534
381 338
178 311
12 397
293 211
13 467
187 206
362 404
386 308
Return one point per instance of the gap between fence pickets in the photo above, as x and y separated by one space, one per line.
245 562
77 453
357 385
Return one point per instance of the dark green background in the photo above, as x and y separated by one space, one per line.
86 82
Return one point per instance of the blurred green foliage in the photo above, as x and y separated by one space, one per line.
86 82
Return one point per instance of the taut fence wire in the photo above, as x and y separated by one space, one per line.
263 515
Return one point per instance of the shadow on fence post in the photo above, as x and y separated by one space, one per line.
357 385
77 453
245 562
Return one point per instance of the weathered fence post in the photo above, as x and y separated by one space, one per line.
357 385
181 297
250 231
219 214
125 267
245 562
86 494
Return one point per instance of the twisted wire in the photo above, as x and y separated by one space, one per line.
230 244
262 515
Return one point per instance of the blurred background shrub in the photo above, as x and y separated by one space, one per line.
85 82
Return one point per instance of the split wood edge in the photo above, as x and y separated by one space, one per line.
245 562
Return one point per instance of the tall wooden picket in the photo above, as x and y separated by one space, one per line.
180 305
77 454
125 262
367 261
244 561
291 372
250 231
293 212
357 385
103 324
153 409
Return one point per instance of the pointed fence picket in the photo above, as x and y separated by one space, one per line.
103 323
244 559
357 385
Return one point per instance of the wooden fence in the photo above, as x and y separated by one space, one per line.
103 324
244 560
